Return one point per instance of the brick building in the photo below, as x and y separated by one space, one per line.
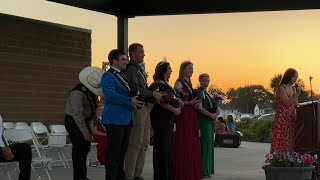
39 64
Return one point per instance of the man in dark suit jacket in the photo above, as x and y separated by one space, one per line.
140 134
117 114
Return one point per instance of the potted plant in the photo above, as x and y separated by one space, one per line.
289 166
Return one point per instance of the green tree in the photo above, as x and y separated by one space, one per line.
275 81
231 94
215 90
245 98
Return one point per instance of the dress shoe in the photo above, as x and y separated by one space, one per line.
138 178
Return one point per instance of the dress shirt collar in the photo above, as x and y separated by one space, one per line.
115 69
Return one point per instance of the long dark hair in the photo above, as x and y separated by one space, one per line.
160 70
183 66
288 75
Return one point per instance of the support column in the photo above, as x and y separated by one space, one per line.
123 34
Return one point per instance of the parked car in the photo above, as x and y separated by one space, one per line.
265 116
243 116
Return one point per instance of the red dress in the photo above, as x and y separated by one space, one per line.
186 142
284 122
102 145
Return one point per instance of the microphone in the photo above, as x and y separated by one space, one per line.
297 86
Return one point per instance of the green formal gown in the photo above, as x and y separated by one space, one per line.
207 130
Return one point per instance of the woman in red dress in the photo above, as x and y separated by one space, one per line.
186 141
285 117
99 136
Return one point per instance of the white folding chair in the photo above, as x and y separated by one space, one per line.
41 133
23 135
9 125
93 151
5 165
21 124
60 130
36 124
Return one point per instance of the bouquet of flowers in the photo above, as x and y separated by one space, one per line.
290 159
171 98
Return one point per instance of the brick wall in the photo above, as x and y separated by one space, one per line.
39 64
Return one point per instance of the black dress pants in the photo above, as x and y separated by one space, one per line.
118 136
162 154
80 149
22 154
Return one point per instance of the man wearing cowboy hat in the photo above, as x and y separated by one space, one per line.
80 109
119 102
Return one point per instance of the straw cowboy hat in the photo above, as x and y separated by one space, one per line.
91 78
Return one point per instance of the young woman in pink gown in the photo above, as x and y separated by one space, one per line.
186 141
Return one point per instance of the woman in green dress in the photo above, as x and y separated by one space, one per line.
207 115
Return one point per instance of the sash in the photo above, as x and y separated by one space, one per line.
186 84
100 122
143 76
122 79
166 83
140 71
209 99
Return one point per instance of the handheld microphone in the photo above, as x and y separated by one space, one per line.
297 85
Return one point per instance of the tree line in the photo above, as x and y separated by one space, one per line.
246 97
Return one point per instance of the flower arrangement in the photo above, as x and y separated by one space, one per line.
290 159
171 98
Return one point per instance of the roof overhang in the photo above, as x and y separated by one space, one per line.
132 8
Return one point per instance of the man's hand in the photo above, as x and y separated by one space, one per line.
157 95
135 103
7 154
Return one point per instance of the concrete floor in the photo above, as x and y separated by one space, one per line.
243 163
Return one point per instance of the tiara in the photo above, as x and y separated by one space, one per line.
186 61
161 63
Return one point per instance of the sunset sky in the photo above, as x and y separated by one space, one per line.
236 49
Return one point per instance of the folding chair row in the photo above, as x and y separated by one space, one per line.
12 125
51 142
56 139
23 135
48 141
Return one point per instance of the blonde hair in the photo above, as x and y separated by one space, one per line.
183 66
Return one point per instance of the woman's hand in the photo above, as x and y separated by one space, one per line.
177 111
298 89
194 101
213 116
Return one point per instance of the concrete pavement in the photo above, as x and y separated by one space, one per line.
243 163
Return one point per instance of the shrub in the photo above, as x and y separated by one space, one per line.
256 130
